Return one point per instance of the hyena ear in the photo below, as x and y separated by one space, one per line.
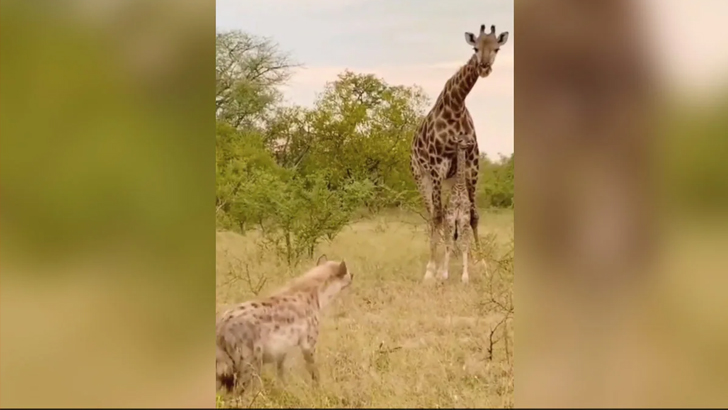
342 270
321 259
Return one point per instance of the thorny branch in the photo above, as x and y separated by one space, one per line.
242 272
499 300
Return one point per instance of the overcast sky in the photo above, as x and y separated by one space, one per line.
421 42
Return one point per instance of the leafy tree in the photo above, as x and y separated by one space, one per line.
496 182
303 211
363 130
248 71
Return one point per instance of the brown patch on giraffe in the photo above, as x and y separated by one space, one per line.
446 115
464 123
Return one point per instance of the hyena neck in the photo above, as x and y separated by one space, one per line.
326 294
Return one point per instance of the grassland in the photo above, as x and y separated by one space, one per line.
390 340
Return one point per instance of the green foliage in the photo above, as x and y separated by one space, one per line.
240 159
248 71
496 183
297 214
695 173
299 174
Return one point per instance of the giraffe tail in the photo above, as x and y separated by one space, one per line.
455 233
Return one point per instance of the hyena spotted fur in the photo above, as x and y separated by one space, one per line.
261 331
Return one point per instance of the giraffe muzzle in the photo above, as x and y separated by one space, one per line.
485 69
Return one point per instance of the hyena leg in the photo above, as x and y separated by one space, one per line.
243 377
225 371
280 367
311 364
257 367
308 347
249 368
466 239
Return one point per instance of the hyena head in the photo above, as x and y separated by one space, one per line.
327 279
338 277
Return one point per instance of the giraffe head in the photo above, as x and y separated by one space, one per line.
486 46
464 141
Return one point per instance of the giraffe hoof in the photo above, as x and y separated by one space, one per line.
444 275
465 279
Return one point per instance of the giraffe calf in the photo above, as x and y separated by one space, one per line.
458 210
265 330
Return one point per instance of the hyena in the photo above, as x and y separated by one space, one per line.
264 330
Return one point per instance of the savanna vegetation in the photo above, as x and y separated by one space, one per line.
294 182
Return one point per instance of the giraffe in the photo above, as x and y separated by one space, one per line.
433 148
457 212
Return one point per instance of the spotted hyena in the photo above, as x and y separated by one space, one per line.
261 331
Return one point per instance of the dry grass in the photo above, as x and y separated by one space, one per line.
390 340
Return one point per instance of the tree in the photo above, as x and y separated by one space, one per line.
496 182
361 128
248 70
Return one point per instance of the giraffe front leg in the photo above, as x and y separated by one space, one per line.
448 232
425 186
474 216
436 227
465 244
431 263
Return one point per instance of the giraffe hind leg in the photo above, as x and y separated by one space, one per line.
471 186
465 245
448 227
438 225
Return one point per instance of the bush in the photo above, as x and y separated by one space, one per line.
295 215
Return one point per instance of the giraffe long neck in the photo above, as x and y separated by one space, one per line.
459 85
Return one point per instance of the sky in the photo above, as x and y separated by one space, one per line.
405 42
421 42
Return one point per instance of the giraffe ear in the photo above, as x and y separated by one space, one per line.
503 38
470 38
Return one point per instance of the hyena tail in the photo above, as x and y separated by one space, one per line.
225 370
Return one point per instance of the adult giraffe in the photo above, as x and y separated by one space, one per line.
433 155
